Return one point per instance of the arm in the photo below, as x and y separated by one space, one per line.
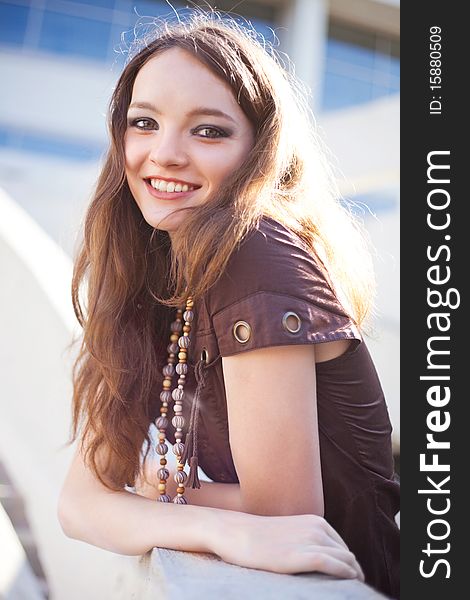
211 493
127 523
271 399
288 399
130 524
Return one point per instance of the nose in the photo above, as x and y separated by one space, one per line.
168 150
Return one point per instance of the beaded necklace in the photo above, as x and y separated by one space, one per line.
178 361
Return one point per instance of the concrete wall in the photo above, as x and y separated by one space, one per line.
16 577
36 324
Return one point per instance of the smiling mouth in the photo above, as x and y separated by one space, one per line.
170 187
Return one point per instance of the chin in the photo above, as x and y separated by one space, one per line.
164 222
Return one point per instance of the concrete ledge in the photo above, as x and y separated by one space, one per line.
171 575
17 580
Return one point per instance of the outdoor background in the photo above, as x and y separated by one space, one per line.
59 60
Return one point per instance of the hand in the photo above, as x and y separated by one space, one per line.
286 544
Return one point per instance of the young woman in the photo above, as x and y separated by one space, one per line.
225 289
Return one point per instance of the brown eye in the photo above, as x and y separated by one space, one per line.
211 132
143 124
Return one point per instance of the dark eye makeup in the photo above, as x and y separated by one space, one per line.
147 124
142 123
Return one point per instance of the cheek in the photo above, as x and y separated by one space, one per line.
221 165
241 152
133 153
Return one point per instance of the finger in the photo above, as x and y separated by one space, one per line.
331 565
330 531
345 556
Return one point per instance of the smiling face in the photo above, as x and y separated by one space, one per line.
185 135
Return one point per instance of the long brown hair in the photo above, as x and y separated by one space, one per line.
127 275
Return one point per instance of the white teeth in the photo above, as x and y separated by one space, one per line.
169 186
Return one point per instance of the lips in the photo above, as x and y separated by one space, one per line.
171 185
170 189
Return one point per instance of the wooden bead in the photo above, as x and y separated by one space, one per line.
165 396
181 368
180 477
162 487
178 449
189 303
180 490
174 337
163 474
168 370
161 449
177 409
166 384
164 498
161 436
186 328
163 461
184 341
182 356
161 423
176 325
177 394
178 421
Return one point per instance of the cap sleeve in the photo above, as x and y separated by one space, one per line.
270 319
274 293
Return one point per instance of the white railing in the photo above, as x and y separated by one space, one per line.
36 325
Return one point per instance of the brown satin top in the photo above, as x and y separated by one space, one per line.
271 274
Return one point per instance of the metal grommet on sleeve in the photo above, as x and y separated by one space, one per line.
205 355
241 332
291 322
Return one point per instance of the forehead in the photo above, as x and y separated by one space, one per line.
177 73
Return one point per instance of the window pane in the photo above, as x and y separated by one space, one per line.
103 3
339 50
340 91
359 67
395 67
6 139
65 34
66 149
265 28
13 21
144 8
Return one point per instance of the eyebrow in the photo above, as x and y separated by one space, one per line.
198 111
